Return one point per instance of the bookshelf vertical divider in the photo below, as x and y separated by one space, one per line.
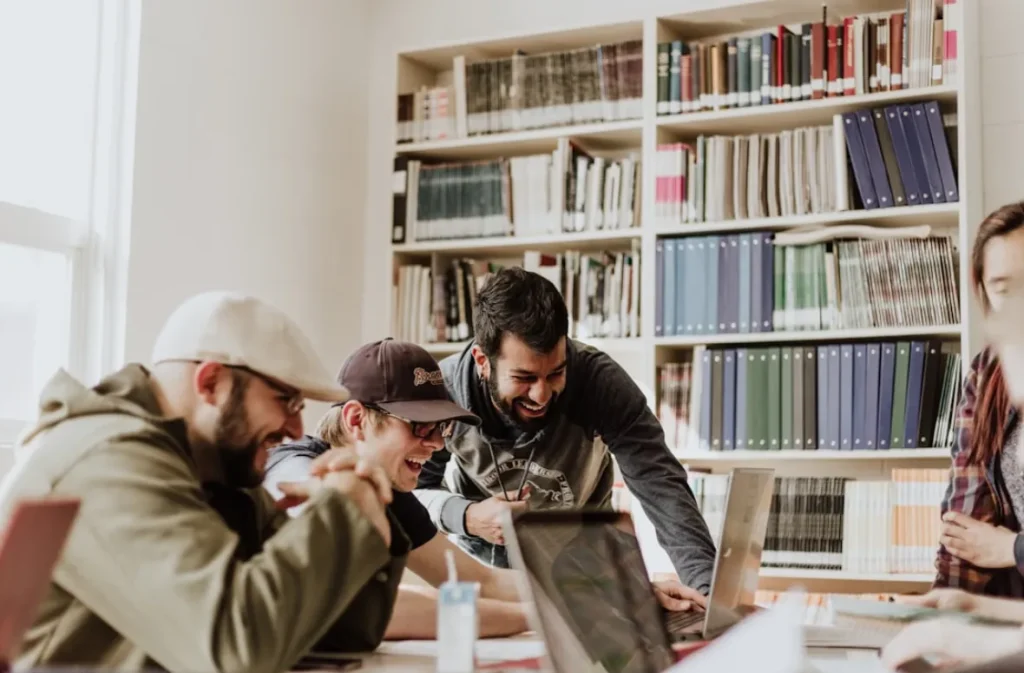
645 355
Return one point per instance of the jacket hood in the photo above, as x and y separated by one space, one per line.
128 391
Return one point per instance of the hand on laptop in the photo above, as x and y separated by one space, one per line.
484 519
956 600
676 596
951 642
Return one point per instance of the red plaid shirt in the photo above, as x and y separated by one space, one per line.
977 490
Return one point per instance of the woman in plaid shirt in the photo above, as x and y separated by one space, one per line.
981 548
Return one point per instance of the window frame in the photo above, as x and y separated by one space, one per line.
97 248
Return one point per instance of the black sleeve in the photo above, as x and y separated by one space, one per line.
413 518
617 410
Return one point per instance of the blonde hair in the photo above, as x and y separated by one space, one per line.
331 428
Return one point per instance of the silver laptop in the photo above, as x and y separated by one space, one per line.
591 595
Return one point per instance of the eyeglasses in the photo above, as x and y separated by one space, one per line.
290 400
419 429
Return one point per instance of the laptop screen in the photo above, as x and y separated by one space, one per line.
591 591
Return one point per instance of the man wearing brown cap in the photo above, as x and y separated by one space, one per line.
151 574
398 415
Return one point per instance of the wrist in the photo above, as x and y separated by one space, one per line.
454 518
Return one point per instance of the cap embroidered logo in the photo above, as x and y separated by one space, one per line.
421 376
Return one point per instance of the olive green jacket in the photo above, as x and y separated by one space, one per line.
152 574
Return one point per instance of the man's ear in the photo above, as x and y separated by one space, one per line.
483 363
209 380
353 417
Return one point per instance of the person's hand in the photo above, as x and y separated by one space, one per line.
977 542
364 493
484 519
950 642
676 596
956 600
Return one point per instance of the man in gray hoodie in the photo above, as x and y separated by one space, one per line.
554 412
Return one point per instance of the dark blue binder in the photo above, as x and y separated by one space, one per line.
912 185
707 393
942 154
834 419
886 379
846 397
669 309
860 396
859 160
916 155
876 165
871 379
915 377
767 282
659 285
931 164
744 283
684 291
756 259
729 401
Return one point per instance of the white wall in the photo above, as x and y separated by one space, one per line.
250 162
1002 95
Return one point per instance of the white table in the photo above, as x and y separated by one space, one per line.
419 656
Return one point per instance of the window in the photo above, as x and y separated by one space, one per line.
67 70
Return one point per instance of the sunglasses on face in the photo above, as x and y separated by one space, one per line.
421 430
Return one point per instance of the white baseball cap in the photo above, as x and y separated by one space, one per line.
242 331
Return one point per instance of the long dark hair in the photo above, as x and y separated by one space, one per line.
992 404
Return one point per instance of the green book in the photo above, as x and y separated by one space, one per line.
774 394
899 396
786 438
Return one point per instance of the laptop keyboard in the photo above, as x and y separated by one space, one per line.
677 621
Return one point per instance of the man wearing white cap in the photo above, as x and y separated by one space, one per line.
152 572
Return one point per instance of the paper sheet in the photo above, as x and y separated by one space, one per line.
487 649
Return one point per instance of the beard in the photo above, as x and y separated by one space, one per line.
235 444
508 411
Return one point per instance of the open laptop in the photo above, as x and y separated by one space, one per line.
30 545
591 594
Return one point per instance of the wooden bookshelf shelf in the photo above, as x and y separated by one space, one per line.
706 457
779 116
513 245
811 574
816 336
600 136
938 216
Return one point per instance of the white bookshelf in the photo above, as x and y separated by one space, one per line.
643 356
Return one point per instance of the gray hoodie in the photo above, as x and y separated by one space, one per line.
600 414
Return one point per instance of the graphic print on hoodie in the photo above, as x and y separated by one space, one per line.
601 413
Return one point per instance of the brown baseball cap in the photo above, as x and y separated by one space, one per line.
402 379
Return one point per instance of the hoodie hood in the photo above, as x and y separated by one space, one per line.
128 391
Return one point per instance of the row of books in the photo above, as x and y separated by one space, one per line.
527 91
724 178
856 55
894 156
835 523
601 291
565 190
747 283
839 396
